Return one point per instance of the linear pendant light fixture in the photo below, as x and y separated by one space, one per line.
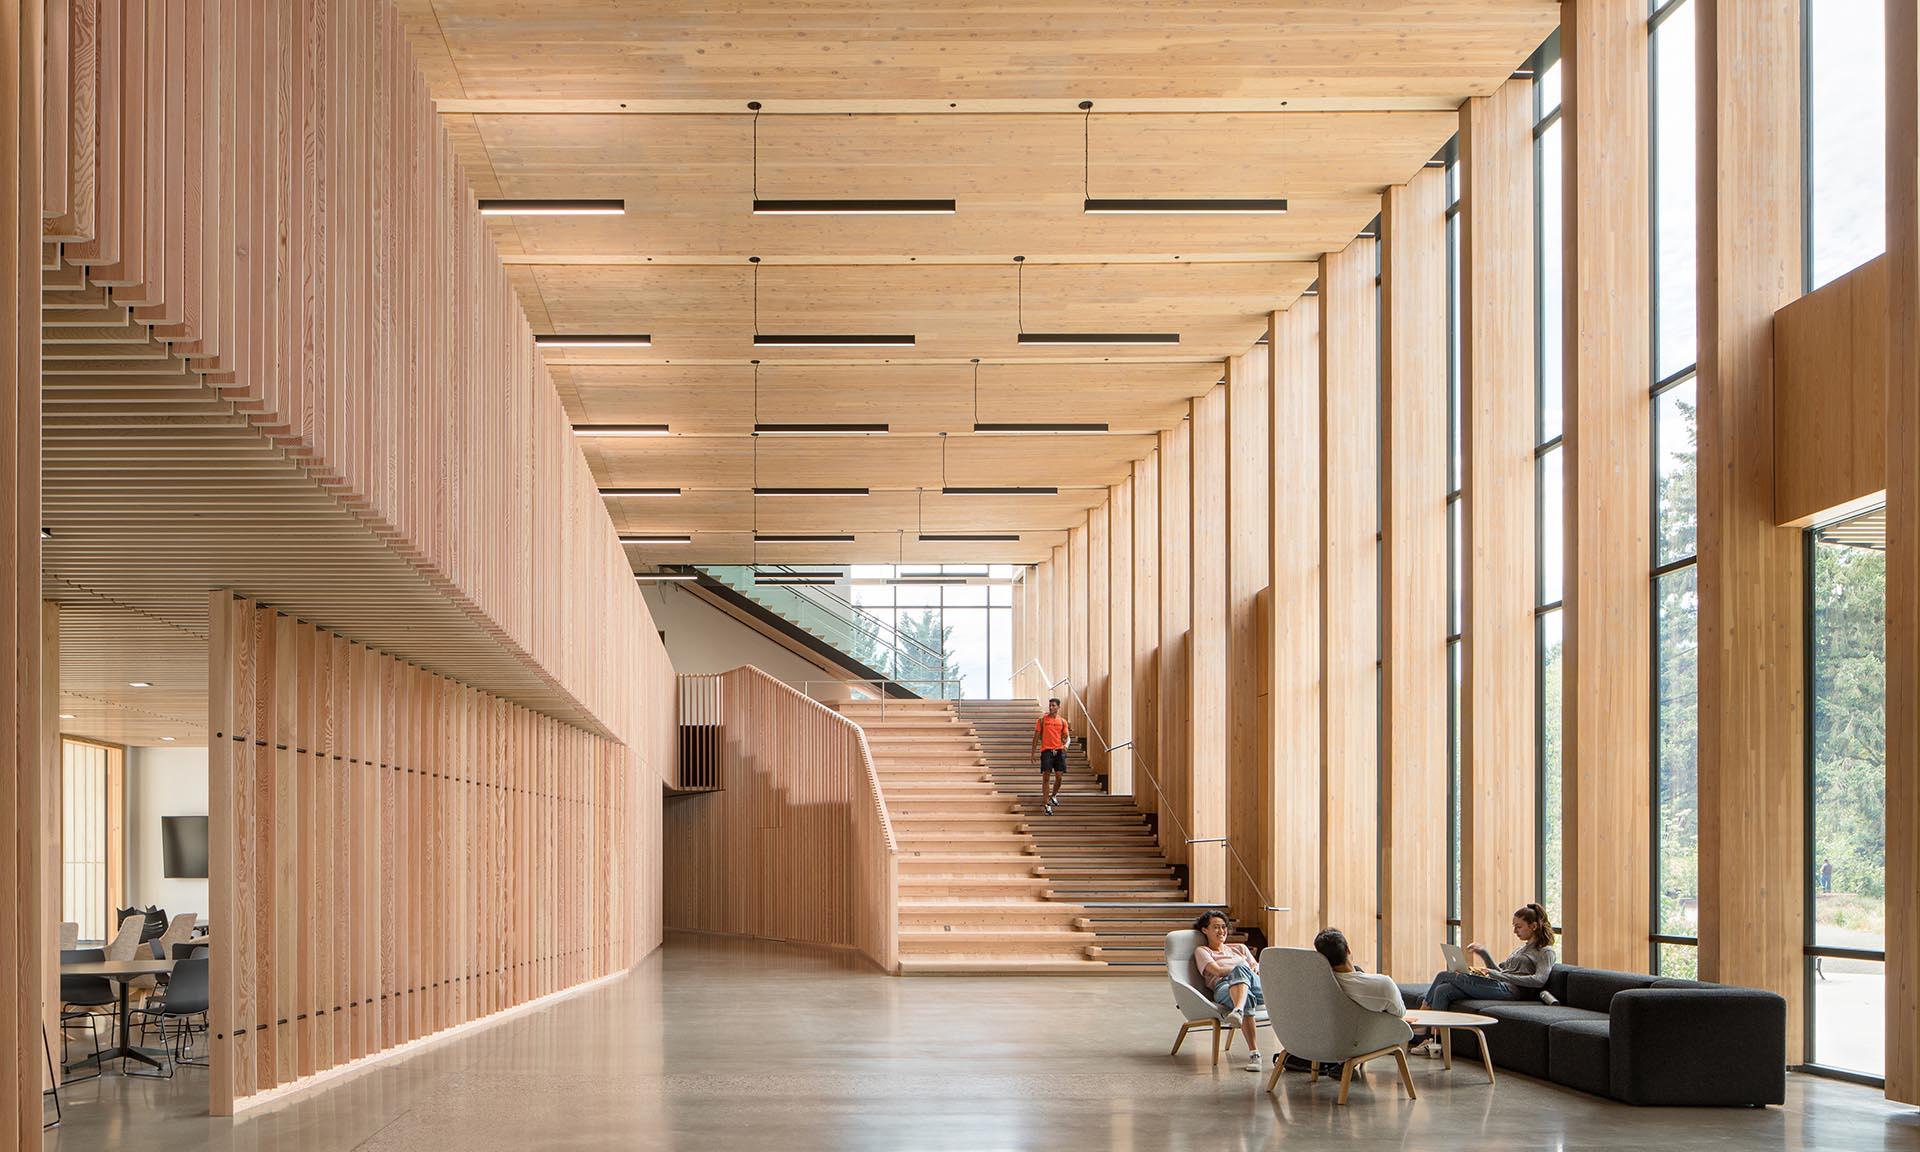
1004 429
803 538
1158 206
619 429
666 577
523 206
1074 338
967 537
592 340
639 491
832 207
818 339
810 491
656 539
979 490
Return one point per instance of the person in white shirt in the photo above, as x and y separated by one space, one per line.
1373 991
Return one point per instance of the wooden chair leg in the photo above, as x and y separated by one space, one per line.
1230 1032
1216 1043
1181 1038
1346 1079
1313 1071
1406 1076
1279 1062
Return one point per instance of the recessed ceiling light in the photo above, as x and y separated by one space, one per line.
46 533
1185 206
619 429
656 539
854 207
67 716
595 340
506 206
168 739
139 684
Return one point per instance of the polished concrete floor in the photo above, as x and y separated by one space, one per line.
723 1045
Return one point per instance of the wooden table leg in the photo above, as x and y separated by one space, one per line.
1446 1048
1486 1058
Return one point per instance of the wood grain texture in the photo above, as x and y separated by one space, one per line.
1073 694
1903 553
1349 594
1099 634
1061 618
1176 609
1499 770
1830 399
1752 579
1294 623
1249 489
512 855
1146 631
1413 417
1606 721
1205 793
796 843
1118 722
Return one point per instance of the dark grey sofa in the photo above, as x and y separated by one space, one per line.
1639 1039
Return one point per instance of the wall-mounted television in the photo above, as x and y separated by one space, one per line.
183 844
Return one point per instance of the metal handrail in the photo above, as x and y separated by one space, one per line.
1140 763
908 653
879 691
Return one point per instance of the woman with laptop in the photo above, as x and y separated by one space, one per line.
1524 971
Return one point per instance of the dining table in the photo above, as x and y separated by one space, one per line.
124 972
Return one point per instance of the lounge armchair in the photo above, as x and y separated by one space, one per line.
1320 1023
1191 999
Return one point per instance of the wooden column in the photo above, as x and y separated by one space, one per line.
1413 293
1249 488
52 820
1176 579
1350 595
1019 621
1293 621
1207 649
1074 692
1607 729
1061 629
1146 629
1499 761
1119 696
1903 553
1752 759
1099 635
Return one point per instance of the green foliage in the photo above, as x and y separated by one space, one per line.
924 627
1849 606
1677 679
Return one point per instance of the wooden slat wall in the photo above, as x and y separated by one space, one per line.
22 699
1607 730
1498 758
1293 620
1075 670
1830 399
1248 493
1119 687
1413 293
797 844
270 186
1059 614
394 853
1146 628
1099 633
1903 553
1752 752
1176 578
1205 811
1350 593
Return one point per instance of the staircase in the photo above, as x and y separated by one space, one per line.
825 621
1097 851
972 896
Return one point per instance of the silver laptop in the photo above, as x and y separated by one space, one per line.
1456 958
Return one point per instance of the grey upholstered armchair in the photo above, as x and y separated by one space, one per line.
1315 1020
1191 999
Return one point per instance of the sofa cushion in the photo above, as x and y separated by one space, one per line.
1412 994
1714 1046
1593 988
1557 981
1519 1040
1676 982
1577 1055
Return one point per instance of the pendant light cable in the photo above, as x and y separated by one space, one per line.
755 261
1086 149
755 105
1019 293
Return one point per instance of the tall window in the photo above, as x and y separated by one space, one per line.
971 623
1456 582
1550 487
1845 141
92 834
1847 795
1675 584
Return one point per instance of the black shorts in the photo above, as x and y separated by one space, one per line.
1053 760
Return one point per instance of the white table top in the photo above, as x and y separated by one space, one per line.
1433 1018
116 968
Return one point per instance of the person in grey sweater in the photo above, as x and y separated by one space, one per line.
1522 973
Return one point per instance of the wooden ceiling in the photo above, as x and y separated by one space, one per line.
1324 104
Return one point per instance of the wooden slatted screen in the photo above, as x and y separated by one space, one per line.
394 853
797 844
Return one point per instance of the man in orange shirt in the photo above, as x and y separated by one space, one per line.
1050 740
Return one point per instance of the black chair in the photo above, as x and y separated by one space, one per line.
188 995
79 997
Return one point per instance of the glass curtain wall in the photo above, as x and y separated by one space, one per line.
1456 582
1674 577
971 623
1844 142
92 852
1550 488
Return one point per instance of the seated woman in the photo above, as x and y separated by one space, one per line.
1524 971
1231 975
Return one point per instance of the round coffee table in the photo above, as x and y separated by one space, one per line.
1446 1022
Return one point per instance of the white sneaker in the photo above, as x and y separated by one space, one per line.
1232 1021
1253 1061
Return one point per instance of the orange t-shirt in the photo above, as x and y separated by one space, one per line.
1053 733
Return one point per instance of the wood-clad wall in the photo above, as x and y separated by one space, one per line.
1293 623
1205 812
394 853
1498 750
1099 632
1830 399
1146 629
1061 630
1118 721
1074 691
23 769
796 844
1607 726
272 188
1752 655
1248 521
1903 553
1413 397
1176 607
1350 594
